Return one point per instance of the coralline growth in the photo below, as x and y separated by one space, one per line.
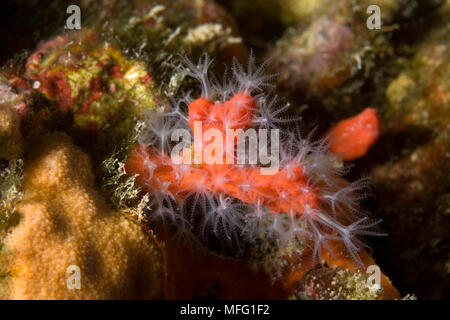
306 201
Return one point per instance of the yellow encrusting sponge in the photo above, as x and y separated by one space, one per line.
65 222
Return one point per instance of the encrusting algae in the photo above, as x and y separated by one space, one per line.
413 160
65 222
335 284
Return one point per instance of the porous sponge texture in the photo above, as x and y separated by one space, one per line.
65 222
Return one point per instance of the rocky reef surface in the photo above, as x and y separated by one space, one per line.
74 104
